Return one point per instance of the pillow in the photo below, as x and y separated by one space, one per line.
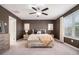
30 32
35 31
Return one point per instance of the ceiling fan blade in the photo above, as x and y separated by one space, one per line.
34 8
32 13
45 13
44 9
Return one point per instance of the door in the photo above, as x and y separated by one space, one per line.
62 29
12 30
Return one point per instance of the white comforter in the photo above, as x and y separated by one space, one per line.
42 38
37 36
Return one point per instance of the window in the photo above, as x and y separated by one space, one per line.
26 27
68 25
71 25
50 26
76 18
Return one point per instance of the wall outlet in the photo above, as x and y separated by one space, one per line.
72 41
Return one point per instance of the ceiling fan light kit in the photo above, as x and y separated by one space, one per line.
38 13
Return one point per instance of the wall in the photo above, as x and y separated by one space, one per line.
20 29
4 15
40 24
57 28
4 19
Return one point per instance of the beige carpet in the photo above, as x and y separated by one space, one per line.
59 49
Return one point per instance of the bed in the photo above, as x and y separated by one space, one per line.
40 40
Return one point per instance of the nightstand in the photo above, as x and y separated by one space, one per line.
25 36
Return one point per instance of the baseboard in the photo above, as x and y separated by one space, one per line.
59 41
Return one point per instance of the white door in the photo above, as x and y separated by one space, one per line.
62 29
12 30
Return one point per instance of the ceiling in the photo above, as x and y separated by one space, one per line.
22 10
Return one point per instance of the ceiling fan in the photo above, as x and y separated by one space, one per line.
38 11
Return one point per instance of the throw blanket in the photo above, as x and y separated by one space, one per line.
46 39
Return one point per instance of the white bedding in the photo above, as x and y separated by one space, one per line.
36 39
36 36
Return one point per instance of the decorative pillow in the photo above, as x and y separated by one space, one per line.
35 31
30 32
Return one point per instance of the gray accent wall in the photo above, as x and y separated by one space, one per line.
20 29
57 29
4 18
40 24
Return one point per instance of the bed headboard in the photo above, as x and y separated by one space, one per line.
41 31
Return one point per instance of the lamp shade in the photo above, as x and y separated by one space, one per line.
50 26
